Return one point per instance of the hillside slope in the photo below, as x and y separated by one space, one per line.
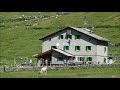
20 31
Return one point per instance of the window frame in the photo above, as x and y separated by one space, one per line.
105 60
89 39
53 46
65 48
61 37
105 49
59 59
68 36
88 49
76 48
76 37
89 59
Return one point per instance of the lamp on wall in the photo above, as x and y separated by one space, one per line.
57 44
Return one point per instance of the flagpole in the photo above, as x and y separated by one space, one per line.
85 24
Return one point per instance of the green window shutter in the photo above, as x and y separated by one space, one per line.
79 36
75 37
75 48
83 59
59 58
90 48
51 47
70 36
68 47
104 49
78 58
59 37
86 48
66 36
87 58
104 60
64 47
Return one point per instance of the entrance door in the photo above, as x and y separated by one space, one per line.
104 60
83 60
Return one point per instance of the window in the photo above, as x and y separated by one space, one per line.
60 37
68 36
89 58
53 47
79 58
77 37
88 48
104 49
77 48
89 39
82 59
66 47
59 58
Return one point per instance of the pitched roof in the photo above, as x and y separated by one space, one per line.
88 32
49 52
82 30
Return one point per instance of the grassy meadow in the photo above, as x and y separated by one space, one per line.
20 31
101 72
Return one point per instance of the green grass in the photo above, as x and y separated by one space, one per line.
16 40
102 72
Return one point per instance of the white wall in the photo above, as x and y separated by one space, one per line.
100 50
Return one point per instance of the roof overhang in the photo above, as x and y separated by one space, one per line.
43 55
49 53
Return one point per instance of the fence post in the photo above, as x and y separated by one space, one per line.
4 68
14 63
50 63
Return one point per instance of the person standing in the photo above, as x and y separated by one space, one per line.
65 62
